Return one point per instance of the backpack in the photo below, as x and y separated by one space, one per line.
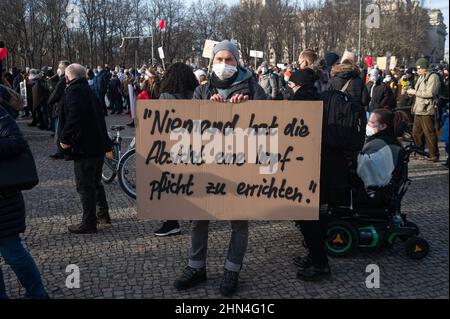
344 121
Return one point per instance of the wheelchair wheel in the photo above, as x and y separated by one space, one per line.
417 247
342 238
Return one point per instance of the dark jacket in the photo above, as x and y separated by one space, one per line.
12 206
381 96
56 97
334 178
82 123
306 93
244 84
114 89
341 74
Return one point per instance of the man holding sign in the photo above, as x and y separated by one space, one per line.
229 82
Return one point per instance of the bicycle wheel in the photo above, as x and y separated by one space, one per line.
127 173
109 171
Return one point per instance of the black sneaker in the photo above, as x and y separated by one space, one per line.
168 229
303 262
82 229
314 273
190 278
229 283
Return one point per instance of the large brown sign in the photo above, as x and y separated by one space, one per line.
202 160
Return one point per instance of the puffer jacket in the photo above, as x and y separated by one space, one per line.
12 206
379 159
427 91
341 74
244 84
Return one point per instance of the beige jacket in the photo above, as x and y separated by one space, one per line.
427 90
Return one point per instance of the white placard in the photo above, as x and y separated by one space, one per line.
161 53
208 49
23 92
132 101
256 54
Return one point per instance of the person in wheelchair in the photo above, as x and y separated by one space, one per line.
381 158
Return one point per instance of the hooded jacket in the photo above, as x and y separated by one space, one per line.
341 74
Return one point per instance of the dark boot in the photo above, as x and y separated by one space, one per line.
303 262
314 273
229 283
190 278
82 229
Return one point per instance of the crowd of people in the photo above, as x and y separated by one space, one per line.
73 104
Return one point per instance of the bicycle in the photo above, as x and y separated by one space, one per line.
121 166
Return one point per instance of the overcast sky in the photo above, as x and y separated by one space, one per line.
435 4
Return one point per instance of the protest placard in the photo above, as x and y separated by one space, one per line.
208 48
189 166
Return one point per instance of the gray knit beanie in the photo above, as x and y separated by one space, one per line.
227 46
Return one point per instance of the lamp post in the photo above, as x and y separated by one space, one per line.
360 32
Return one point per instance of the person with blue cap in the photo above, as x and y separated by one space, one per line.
229 82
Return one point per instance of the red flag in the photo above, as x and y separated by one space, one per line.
3 53
161 24
369 61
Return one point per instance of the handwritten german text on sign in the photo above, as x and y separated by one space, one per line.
202 160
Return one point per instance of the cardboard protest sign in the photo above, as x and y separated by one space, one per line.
393 63
382 63
203 160
208 49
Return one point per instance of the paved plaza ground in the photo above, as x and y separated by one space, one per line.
125 260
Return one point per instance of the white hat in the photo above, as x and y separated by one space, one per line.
199 73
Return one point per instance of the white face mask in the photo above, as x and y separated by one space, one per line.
286 79
224 71
370 131
59 72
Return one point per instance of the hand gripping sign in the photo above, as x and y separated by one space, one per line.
203 160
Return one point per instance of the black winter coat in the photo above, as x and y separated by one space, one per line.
382 96
56 97
306 93
82 123
341 74
12 206
334 178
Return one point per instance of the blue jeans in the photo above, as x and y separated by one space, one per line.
23 265
236 250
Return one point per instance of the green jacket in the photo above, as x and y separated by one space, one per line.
427 91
